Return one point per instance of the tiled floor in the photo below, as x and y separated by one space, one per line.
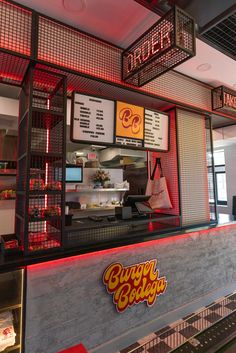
170 337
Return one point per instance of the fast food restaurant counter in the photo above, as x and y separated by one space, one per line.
99 229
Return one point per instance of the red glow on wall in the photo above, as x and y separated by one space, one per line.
15 6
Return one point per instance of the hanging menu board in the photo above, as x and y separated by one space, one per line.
129 124
156 130
92 119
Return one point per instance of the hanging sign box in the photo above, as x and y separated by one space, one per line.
168 43
224 100
108 123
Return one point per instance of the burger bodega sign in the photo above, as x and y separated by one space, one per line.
134 284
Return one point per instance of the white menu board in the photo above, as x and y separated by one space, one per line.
156 130
92 119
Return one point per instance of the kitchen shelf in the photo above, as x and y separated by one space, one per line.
40 219
96 190
45 154
47 111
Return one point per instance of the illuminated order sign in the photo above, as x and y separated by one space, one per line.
134 284
224 99
157 42
168 43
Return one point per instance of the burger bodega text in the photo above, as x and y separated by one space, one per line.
134 284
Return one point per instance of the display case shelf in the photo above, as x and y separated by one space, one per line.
47 111
44 219
13 349
11 307
45 154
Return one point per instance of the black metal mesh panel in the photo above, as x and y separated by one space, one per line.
44 235
217 98
41 208
69 48
47 91
159 66
41 161
185 31
15 25
47 132
21 173
45 174
222 34
119 231
167 44
21 205
12 68
23 133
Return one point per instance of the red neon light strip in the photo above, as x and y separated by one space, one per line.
171 239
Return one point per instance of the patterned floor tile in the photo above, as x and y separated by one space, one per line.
132 346
215 307
192 319
159 332
231 306
212 317
175 340
161 347
148 339
224 311
167 333
201 324
189 331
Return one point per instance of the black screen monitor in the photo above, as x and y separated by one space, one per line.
132 199
74 173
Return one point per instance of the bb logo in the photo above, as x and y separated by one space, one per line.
130 120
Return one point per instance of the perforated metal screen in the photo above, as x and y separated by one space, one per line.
15 28
69 48
78 53
193 168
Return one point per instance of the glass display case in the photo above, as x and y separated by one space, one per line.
11 293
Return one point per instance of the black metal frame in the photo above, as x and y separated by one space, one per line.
217 100
27 154
133 77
